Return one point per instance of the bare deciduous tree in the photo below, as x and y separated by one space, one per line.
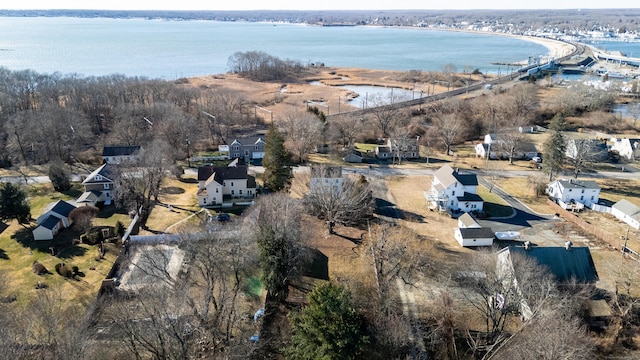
347 202
303 132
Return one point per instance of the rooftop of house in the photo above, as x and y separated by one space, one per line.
222 173
476 233
249 140
467 220
60 207
447 176
574 263
578 184
627 207
470 197
50 222
326 172
114 150
106 171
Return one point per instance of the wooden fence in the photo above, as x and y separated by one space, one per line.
613 241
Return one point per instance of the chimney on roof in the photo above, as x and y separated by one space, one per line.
527 245
568 245
457 169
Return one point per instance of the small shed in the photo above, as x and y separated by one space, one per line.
474 236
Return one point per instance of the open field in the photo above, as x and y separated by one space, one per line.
181 195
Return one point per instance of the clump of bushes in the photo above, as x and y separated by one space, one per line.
39 269
64 270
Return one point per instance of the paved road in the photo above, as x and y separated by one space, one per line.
524 217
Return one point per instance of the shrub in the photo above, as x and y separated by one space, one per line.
75 270
120 229
63 270
39 269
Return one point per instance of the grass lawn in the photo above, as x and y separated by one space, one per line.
365 147
181 195
615 190
519 188
494 205
18 251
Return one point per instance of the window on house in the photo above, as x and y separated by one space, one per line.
591 198
582 197
240 192
256 147
583 191
246 152
216 190
451 202
106 194
232 192
232 183
236 147
569 190
106 186
98 177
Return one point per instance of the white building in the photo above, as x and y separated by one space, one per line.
574 192
628 212
323 177
220 184
627 148
454 191
54 218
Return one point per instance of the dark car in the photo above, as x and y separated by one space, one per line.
223 217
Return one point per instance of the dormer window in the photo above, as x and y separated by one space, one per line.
98 177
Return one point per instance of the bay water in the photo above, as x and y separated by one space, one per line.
171 49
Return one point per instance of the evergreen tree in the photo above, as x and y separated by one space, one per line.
13 204
329 328
554 148
59 176
277 174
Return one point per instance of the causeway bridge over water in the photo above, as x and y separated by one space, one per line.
519 74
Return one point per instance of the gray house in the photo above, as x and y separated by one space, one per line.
99 185
248 148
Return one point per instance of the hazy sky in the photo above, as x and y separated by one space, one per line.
316 5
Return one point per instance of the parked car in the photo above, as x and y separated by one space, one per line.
223 217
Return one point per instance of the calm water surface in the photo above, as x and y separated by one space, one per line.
173 49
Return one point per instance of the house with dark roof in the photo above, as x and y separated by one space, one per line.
247 148
113 154
574 194
566 264
628 212
54 218
452 190
474 236
220 184
100 184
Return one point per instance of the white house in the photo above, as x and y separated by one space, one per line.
323 177
628 212
219 183
480 236
572 191
454 191
118 154
54 218
626 147
594 150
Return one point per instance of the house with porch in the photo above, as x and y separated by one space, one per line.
54 218
218 185
99 186
574 194
454 191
